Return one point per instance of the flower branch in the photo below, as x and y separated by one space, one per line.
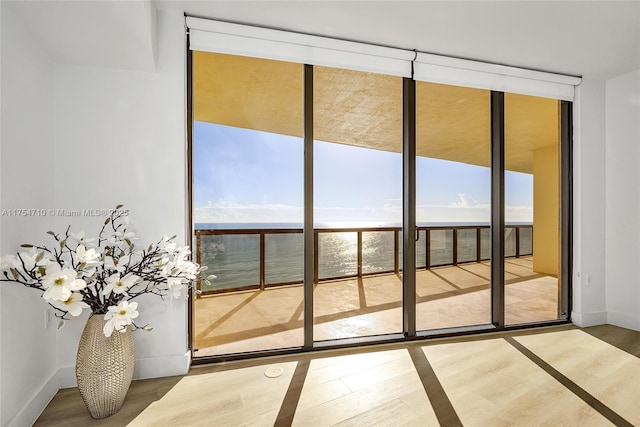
77 274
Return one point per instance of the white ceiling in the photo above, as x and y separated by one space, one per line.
592 39
119 34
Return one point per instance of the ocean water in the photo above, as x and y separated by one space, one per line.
235 258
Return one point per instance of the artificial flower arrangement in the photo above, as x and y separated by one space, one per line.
79 273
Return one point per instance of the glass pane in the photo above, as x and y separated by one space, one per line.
526 241
284 258
337 255
234 258
421 249
357 196
467 245
509 242
378 251
248 190
532 196
485 243
453 185
441 247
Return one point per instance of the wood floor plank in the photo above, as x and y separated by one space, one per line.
234 397
609 374
378 387
625 339
490 383
486 385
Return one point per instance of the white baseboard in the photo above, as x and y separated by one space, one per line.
624 320
32 410
166 366
67 377
151 367
589 319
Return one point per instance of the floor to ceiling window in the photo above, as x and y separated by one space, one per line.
453 215
247 203
362 203
532 196
357 120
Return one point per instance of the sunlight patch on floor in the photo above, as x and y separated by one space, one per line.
244 396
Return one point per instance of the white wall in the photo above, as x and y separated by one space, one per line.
120 138
606 284
77 137
28 359
623 200
588 204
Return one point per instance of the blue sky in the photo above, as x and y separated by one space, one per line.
242 175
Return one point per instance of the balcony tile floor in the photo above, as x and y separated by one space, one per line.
447 297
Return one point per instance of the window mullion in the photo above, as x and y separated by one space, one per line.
309 255
497 209
409 207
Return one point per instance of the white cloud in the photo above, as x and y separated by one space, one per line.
227 211
466 210
464 200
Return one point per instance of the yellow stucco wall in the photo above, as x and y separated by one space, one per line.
546 213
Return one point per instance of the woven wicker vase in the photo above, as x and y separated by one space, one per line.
104 367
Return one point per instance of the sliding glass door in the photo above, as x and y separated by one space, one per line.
357 149
532 262
453 215
313 187
247 203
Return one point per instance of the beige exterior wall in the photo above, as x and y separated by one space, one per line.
546 213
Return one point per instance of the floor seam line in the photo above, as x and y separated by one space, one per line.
587 397
293 394
442 406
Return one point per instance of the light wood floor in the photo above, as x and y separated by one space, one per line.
446 297
554 376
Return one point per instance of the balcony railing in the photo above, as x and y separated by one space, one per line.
246 259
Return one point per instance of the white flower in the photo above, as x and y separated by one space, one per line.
118 264
8 261
119 285
29 259
88 272
126 234
174 287
118 317
180 266
81 239
87 256
59 283
74 304
170 247
119 239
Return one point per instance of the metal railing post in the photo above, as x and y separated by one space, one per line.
262 260
455 246
396 251
427 260
316 245
359 253
478 244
